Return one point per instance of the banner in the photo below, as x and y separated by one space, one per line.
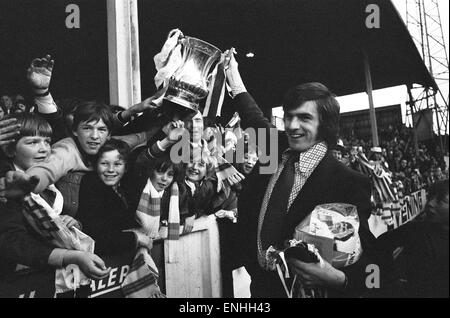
28 283
199 256
396 214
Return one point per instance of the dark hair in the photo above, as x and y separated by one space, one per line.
22 101
252 148
164 163
116 144
30 125
68 107
93 111
327 107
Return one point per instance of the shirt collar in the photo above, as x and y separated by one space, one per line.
17 168
307 160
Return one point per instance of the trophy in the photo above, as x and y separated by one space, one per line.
189 84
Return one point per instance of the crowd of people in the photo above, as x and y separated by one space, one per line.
109 172
413 168
62 159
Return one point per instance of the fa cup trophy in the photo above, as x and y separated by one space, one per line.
189 84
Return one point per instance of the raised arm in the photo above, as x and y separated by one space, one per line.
39 75
250 113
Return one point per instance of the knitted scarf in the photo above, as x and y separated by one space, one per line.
142 279
44 219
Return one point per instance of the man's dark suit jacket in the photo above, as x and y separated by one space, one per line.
330 182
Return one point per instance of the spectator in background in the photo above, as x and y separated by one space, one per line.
418 252
3 111
20 106
337 150
6 102
403 166
438 175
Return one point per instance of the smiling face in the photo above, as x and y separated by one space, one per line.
111 168
249 163
302 126
31 150
195 127
196 171
162 179
92 135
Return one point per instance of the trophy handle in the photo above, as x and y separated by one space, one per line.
172 33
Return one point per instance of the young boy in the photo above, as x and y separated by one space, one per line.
76 155
19 243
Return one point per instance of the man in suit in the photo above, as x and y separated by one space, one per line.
307 175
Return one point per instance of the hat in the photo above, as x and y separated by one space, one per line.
339 145
376 149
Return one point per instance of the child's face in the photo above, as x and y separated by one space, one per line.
196 171
161 180
20 108
92 135
111 168
7 101
250 159
31 150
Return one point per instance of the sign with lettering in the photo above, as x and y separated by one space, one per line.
28 283
398 213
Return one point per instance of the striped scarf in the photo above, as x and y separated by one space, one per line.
44 219
381 179
142 278
387 196
216 89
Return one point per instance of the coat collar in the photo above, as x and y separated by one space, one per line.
317 181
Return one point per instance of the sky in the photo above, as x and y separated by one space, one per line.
398 94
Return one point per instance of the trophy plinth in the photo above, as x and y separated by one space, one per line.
189 84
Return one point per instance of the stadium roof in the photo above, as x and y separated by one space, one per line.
294 41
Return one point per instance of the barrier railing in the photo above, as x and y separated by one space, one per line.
397 214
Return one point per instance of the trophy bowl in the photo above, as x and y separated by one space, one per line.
189 84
